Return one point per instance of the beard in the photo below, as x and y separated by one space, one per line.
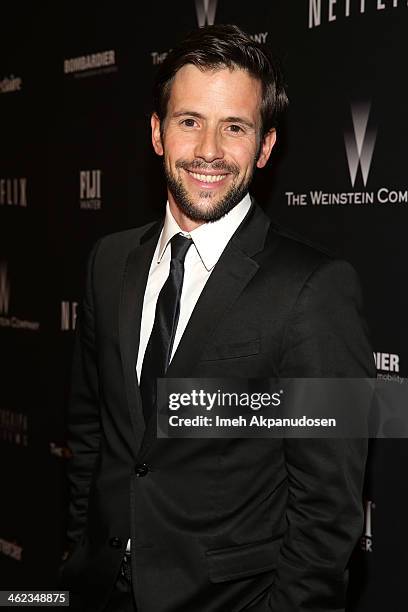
192 209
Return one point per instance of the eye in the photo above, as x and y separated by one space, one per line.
236 129
188 122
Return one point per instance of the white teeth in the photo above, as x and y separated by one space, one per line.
208 178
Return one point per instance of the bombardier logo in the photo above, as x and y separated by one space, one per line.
100 62
388 367
205 10
360 143
4 289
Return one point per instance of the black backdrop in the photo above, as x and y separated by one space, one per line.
76 163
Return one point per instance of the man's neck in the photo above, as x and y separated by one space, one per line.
184 222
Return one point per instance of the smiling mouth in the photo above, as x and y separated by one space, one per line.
207 178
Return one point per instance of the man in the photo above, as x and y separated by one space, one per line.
212 291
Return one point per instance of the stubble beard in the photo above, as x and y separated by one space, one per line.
192 209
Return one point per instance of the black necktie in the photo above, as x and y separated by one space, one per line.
159 347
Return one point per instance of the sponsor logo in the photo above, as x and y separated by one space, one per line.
6 320
90 197
4 289
11 549
62 452
13 427
158 57
260 37
366 540
328 11
359 147
388 362
68 315
101 62
205 10
388 366
360 143
10 84
13 192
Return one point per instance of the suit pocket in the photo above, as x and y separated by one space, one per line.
242 561
233 350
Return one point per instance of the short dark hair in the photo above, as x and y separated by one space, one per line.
219 46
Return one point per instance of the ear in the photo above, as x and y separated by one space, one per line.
156 136
267 145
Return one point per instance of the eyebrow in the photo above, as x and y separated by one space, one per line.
241 120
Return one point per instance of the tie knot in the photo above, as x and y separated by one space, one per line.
179 247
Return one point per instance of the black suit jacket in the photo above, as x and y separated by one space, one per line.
216 525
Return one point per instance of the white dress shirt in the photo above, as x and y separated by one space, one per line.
209 241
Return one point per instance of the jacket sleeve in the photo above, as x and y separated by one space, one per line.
83 411
325 337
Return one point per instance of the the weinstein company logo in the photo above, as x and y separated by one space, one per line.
5 319
205 10
90 197
359 140
360 143
13 192
366 540
159 57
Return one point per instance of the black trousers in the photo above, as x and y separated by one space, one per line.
121 598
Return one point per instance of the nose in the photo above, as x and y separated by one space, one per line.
208 146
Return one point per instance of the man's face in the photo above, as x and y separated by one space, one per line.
211 141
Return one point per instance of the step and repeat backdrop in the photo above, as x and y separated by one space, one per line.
76 163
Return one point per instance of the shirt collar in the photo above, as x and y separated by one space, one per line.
210 239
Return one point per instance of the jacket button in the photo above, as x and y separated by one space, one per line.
141 470
115 542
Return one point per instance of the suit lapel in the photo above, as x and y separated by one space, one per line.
232 273
130 314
